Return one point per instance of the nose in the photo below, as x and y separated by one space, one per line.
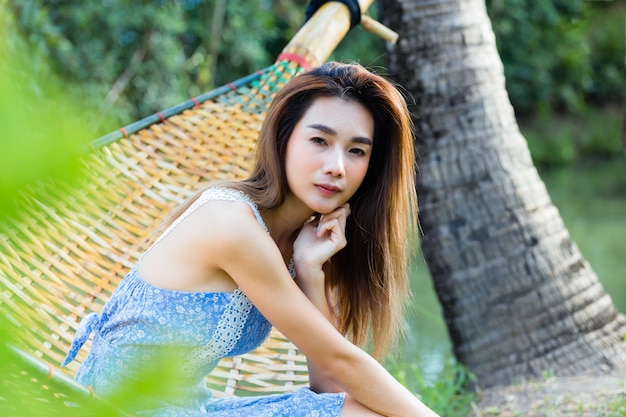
334 163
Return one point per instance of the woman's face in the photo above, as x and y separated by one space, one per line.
328 153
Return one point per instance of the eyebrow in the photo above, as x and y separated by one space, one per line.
330 131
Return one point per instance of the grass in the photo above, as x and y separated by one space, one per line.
449 395
616 408
563 139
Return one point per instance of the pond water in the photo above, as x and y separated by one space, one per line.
592 203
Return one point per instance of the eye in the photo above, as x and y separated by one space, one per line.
357 151
318 140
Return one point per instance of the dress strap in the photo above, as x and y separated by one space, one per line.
215 194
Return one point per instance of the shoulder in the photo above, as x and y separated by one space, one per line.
227 215
225 219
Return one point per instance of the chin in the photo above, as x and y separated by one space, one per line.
324 208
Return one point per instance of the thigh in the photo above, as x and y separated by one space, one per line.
353 408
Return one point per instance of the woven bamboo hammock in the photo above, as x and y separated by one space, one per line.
71 244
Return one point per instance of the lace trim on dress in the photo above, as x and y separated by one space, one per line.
291 268
227 333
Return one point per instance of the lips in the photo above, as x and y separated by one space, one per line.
328 189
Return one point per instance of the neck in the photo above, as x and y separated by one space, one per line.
286 220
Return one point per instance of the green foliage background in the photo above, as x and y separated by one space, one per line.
135 58
560 54
564 60
565 67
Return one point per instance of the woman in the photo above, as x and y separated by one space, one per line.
314 242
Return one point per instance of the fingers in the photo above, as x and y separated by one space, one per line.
342 212
333 231
334 222
321 238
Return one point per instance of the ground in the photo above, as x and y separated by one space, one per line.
580 396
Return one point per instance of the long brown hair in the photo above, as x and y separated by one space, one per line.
370 275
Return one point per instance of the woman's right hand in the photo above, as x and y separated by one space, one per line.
319 240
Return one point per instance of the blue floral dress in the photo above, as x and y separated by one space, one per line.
141 322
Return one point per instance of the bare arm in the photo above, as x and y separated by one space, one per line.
317 295
310 276
264 279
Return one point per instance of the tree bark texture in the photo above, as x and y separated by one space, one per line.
518 298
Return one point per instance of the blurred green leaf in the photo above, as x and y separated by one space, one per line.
41 125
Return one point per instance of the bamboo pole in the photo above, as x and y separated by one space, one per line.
377 28
321 34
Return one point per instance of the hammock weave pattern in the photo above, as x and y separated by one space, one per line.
73 242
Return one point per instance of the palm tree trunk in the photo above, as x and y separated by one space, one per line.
518 298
